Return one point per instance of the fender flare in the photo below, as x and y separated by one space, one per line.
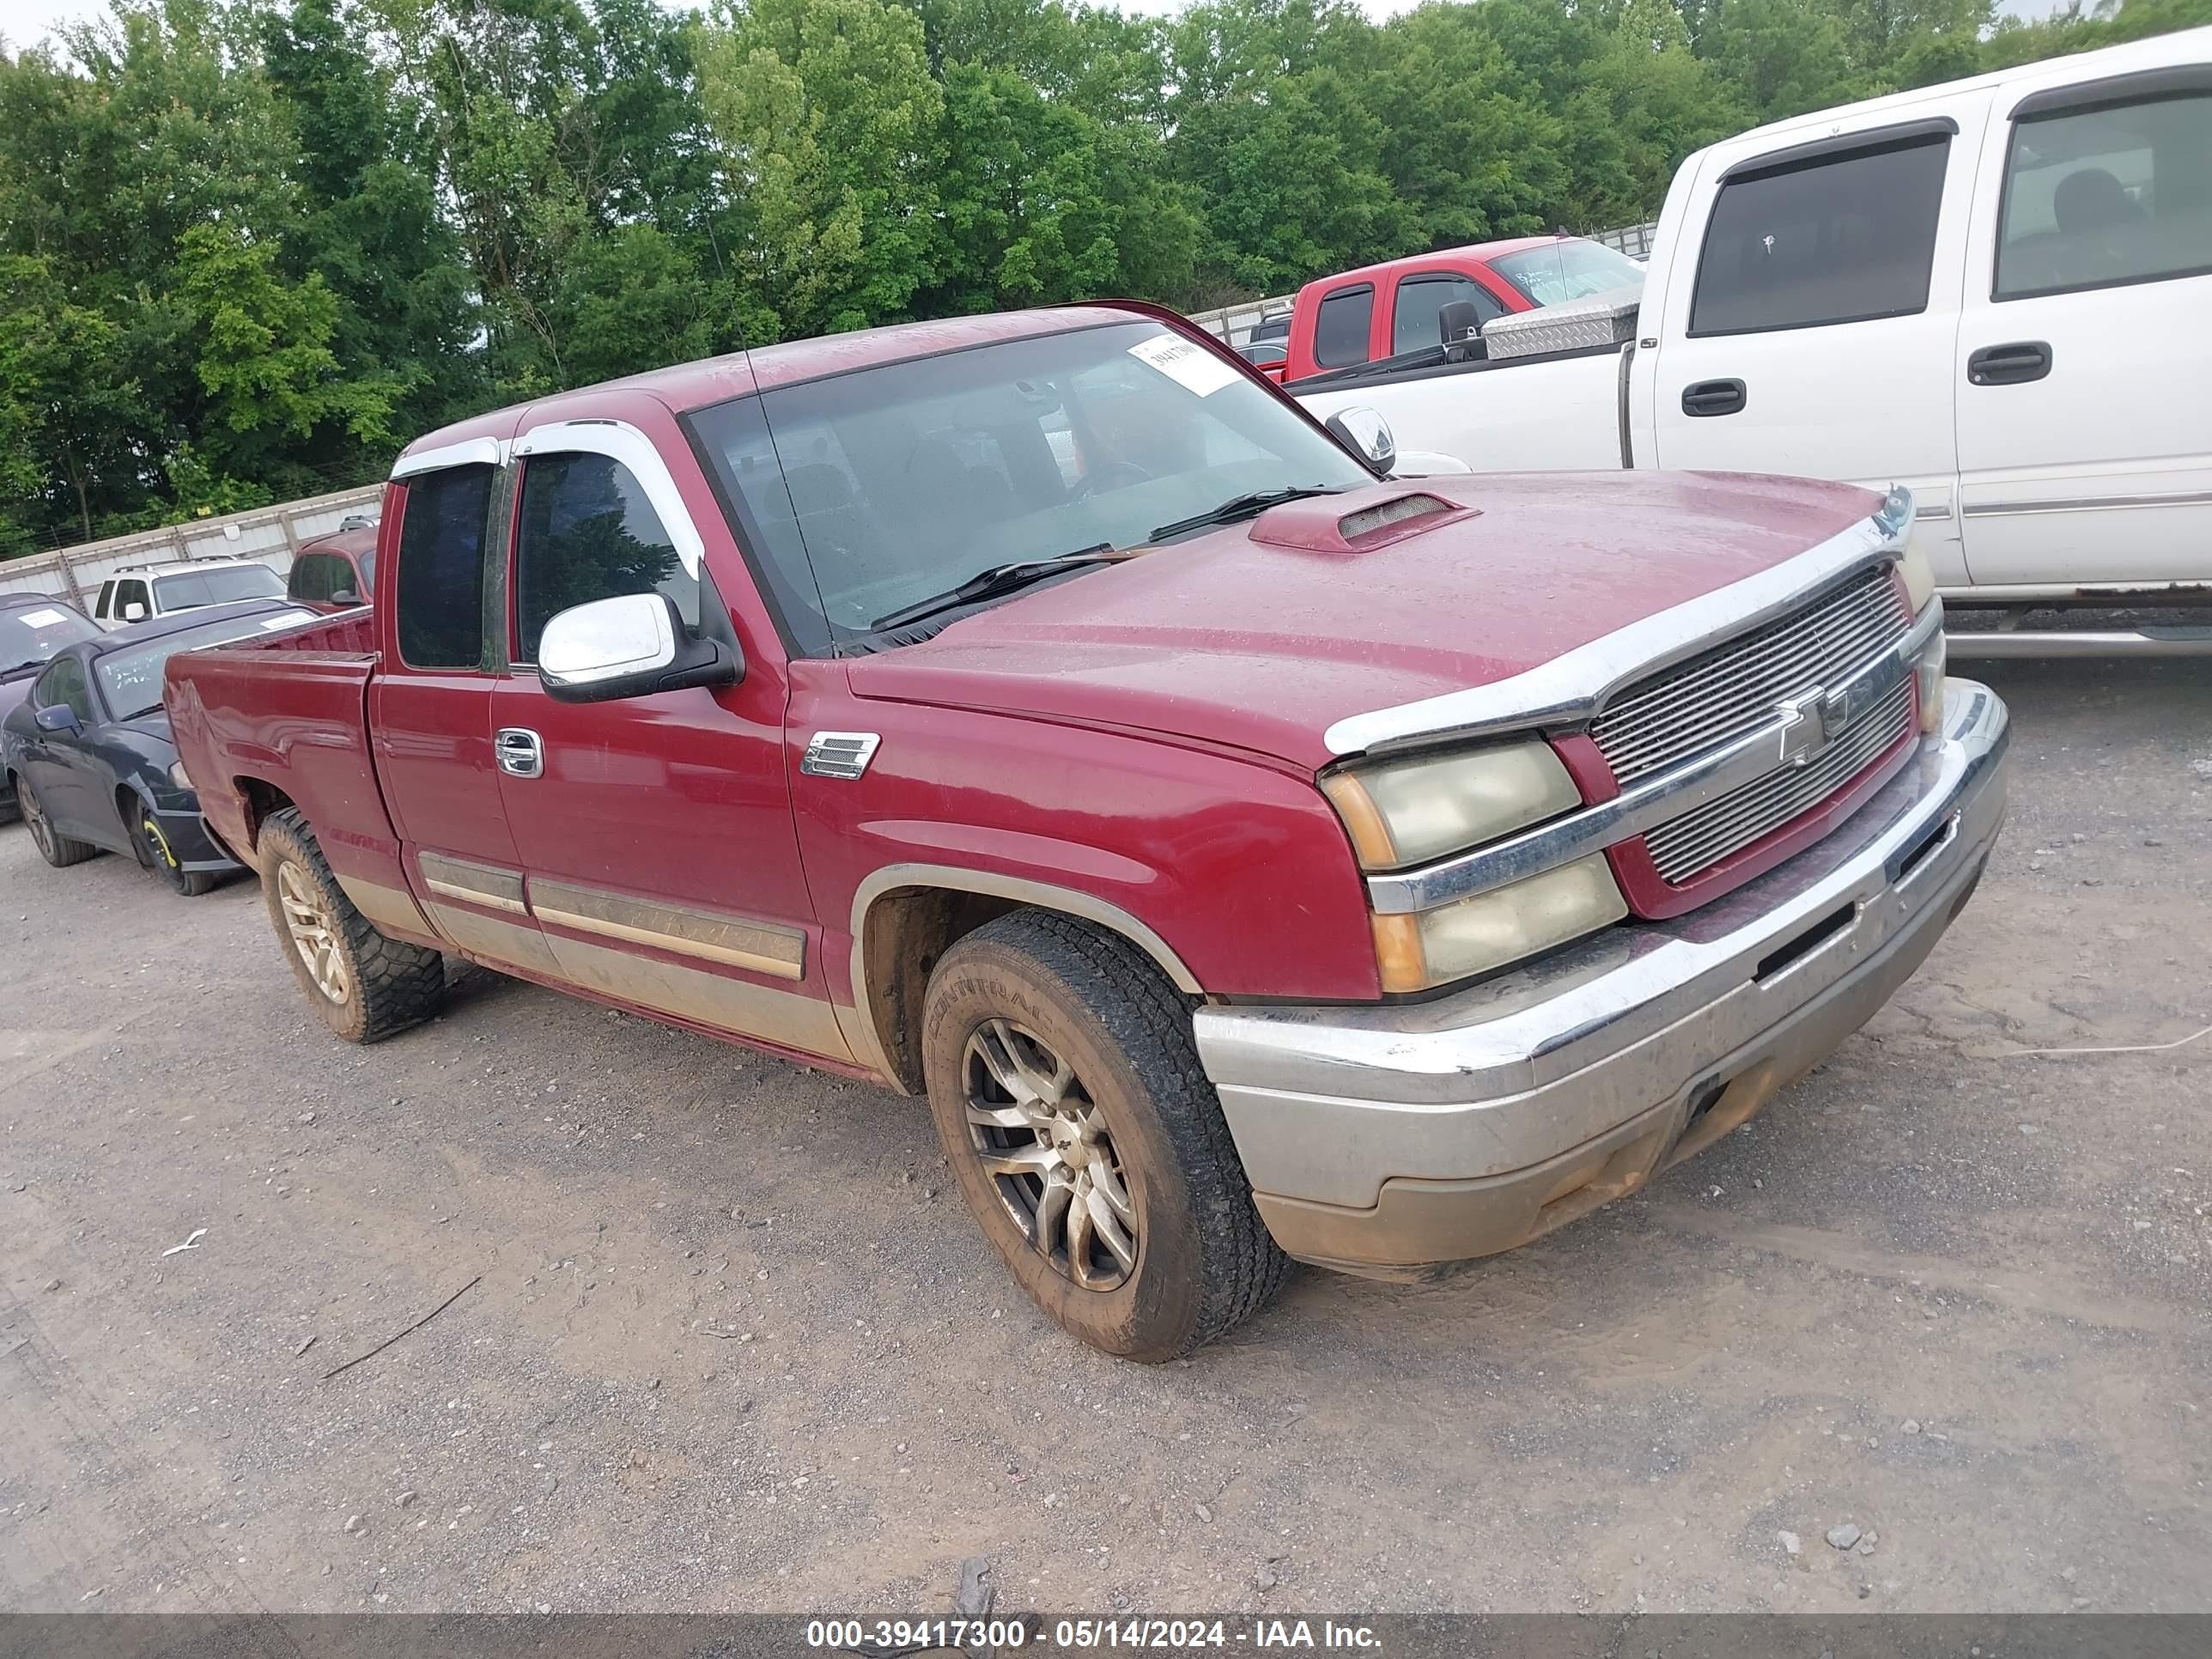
865 1038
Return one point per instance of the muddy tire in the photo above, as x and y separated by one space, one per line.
1086 1139
57 849
366 986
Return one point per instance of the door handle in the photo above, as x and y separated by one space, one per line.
2013 364
1713 398
521 754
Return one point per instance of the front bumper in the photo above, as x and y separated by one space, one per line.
1393 1139
195 845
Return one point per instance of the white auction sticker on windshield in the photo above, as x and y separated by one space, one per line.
1186 362
46 618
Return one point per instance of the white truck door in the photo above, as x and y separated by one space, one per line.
2085 423
1810 317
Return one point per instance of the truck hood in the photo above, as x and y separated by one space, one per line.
1261 635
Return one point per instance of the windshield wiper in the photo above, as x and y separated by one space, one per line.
1250 504
998 579
18 667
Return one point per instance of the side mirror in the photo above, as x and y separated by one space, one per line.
58 717
345 596
1366 435
1459 327
134 611
630 646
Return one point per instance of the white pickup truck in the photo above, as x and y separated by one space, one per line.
1998 292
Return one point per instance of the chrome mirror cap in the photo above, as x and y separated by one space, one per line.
1364 432
587 644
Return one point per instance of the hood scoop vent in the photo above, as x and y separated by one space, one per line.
1320 525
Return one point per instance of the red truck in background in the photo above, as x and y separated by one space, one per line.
1247 854
1385 311
335 572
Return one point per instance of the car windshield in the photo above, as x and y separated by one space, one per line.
1572 269
131 679
30 637
885 487
190 590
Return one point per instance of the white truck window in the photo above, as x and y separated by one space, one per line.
2098 198
1839 238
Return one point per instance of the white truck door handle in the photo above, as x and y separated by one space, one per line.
521 753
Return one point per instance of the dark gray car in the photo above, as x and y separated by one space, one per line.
87 753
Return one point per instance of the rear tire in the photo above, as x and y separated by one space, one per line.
154 851
1087 1139
365 986
59 850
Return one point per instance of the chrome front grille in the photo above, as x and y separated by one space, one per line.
1702 837
1722 693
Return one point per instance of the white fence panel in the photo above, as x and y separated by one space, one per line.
269 534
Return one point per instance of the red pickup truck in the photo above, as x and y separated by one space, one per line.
1246 854
1388 310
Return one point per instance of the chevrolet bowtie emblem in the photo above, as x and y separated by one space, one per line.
1805 725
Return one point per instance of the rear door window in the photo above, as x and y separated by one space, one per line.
439 605
1414 324
2107 196
586 532
1839 239
1340 327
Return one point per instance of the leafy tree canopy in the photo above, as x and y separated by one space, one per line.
249 246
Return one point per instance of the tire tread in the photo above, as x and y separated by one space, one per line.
1241 1267
399 985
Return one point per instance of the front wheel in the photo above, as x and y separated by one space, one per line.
157 855
1087 1140
365 985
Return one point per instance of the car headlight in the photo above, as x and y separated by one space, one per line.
177 778
1409 811
1919 576
1471 936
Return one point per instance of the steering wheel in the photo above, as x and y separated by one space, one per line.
1114 476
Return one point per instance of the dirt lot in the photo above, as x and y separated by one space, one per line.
735 1346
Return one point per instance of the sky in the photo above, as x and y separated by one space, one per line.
24 22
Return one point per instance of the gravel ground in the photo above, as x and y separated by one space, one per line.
729 1342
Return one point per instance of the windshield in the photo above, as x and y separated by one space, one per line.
130 680
192 589
30 637
897 483
1569 269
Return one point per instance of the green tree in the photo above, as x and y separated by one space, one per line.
827 110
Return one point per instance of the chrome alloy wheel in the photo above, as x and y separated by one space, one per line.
34 817
314 932
1046 1146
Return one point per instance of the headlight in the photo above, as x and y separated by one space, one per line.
1919 576
1403 813
1934 657
1434 947
177 778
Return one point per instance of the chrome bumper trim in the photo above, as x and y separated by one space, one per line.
1327 1104
1655 800
1568 689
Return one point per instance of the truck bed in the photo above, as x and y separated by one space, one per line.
288 709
